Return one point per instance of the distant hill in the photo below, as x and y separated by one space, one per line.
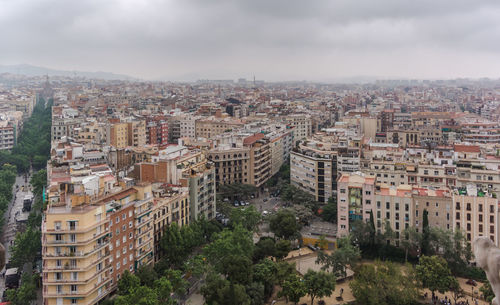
30 70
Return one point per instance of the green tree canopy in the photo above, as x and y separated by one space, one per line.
319 284
434 274
284 224
383 283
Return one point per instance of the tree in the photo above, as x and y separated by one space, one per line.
265 272
26 246
425 233
163 289
487 292
219 291
283 270
266 246
247 217
128 282
255 292
411 240
346 255
141 295
147 275
237 268
284 224
330 211
319 284
434 274
293 289
26 293
283 247
383 283
456 291
172 245
237 242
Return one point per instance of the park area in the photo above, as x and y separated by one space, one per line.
305 259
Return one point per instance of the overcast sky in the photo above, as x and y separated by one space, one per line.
272 39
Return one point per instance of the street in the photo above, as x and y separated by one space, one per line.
10 225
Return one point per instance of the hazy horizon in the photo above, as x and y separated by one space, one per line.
283 40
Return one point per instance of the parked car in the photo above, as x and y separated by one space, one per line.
471 282
236 203
265 199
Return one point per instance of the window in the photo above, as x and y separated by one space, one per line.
480 207
342 191
124 239
124 227
74 288
124 216
378 204
481 228
130 213
480 218
118 265
457 216
124 250
468 216
130 257
117 243
57 225
387 205
130 235
130 224
492 209
58 276
117 220
59 289
74 301
130 246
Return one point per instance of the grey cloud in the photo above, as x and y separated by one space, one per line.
275 39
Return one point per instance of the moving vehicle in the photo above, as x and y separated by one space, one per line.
27 201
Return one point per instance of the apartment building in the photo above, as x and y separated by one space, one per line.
7 136
260 159
122 239
356 197
437 202
393 205
136 132
188 127
231 164
476 213
178 165
200 179
207 128
75 239
301 124
169 204
117 135
314 173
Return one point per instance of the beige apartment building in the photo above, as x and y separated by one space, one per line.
136 132
260 159
393 205
302 125
117 135
75 239
207 128
356 198
476 213
169 204
232 165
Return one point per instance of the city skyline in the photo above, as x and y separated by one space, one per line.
282 40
